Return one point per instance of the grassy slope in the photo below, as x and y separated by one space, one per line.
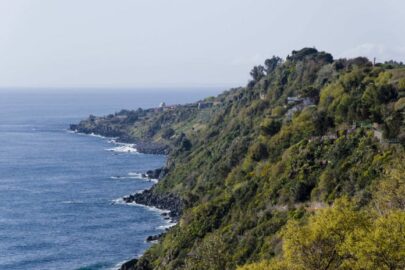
243 168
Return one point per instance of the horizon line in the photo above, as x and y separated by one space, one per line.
132 87
59 89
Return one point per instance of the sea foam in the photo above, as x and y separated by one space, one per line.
167 226
120 147
97 136
134 175
141 176
151 208
127 148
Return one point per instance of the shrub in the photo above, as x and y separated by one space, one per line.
259 152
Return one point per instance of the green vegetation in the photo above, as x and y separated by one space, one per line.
345 237
315 182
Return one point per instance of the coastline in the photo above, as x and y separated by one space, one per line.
170 214
169 205
142 146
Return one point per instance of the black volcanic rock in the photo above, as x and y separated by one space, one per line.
136 264
162 201
156 237
151 148
157 173
129 265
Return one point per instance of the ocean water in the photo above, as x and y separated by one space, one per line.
59 191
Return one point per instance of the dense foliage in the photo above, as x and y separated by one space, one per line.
301 169
345 236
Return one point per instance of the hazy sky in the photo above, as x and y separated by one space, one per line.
125 43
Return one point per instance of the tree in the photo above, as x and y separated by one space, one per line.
380 247
322 122
272 63
359 62
257 73
270 127
317 245
390 194
343 237
387 93
210 253
302 54
310 92
259 152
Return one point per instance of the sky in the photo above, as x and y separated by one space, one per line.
182 43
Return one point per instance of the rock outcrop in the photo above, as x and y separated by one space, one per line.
162 201
142 146
156 174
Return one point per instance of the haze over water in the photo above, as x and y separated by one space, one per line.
57 189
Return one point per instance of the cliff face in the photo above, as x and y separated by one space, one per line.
241 166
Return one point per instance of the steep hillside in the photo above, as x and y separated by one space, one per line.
257 169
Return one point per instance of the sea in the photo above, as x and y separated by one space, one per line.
60 192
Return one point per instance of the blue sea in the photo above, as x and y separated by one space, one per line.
60 191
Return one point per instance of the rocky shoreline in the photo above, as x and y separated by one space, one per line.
156 174
142 146
149 197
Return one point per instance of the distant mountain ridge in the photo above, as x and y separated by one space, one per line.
306 136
